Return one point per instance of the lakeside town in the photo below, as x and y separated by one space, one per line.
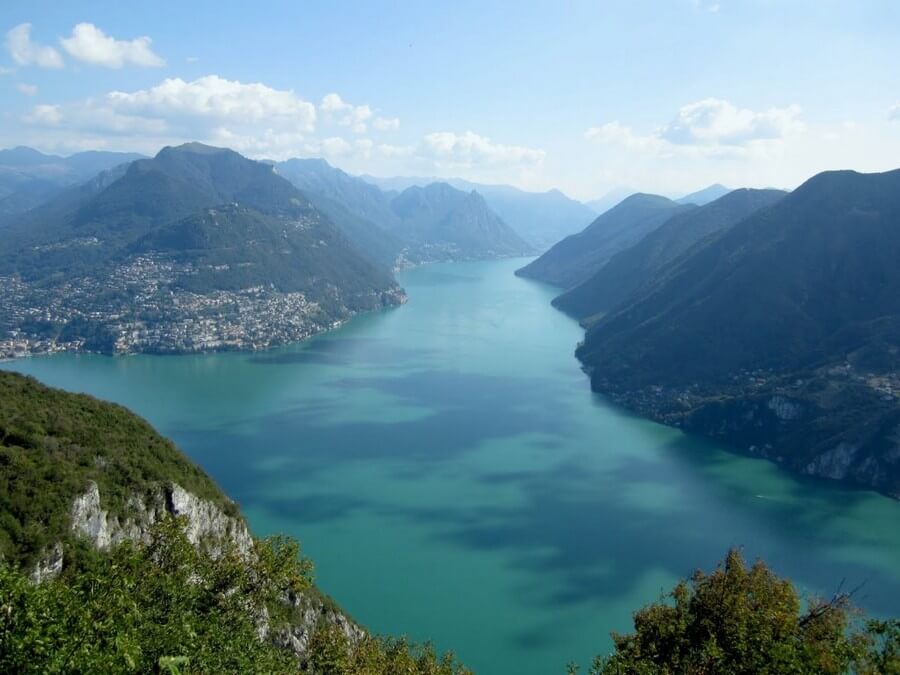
139 308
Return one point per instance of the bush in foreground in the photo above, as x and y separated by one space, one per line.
748 621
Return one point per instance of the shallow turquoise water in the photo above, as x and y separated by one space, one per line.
451 474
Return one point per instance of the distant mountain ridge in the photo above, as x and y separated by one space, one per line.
540 218
579 256
778 335
29 178
386 227
705 196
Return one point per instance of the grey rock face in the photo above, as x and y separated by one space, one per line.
310 613
207 525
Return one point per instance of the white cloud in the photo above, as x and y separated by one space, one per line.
346 114
191 59
710 128
335 147
251 117
894 112
469 149
389 151
713 121
214 98
269 144
27 89
27 53
44 115
91 45
4 70
616 132
386 123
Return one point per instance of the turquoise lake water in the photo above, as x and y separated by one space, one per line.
448 469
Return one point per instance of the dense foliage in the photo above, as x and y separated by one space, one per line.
170 607
52 443
747 621
141 607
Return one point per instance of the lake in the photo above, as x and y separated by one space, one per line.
452 476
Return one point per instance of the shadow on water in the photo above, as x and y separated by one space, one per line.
330 350
459 413
576 524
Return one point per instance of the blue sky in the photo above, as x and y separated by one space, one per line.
583 96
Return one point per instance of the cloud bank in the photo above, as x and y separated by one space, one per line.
91 45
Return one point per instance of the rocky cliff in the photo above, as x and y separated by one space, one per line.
76 471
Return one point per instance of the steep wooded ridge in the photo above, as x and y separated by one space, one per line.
421 224
578 257
198 248
626 271
779 335
118 554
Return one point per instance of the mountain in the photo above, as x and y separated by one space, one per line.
197 248
778 336
29 178
540 218
610 199
120 554
628 270
361 210
384 227
451 225
705 196
578 257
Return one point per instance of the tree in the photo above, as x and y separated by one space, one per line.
742 621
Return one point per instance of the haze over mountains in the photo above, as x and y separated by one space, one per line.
540 218
579 256
628 270
29 178
437 223
704 196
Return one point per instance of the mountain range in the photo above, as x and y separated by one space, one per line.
626 271
579 256
540 218
430 224
777 334
198 247
29 178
